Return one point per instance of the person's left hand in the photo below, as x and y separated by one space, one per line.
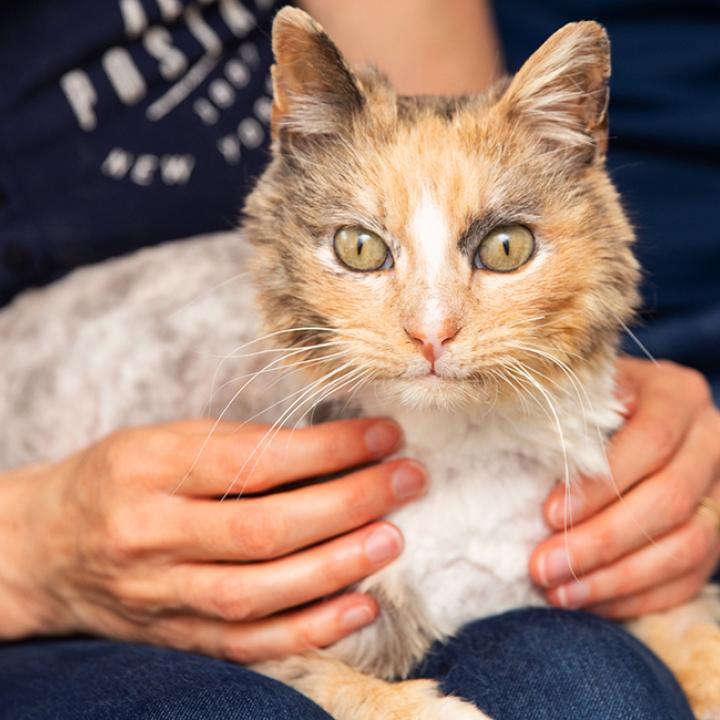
637 543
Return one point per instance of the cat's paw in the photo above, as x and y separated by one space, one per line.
422 700
452 708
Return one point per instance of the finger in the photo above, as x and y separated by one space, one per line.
668 400
247 592
675 555
255 458
293 633
658 598
276 525
647 512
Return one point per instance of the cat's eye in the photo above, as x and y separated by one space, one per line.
361 249
505 249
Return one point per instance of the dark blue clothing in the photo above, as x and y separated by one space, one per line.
664 152
524 665
125 123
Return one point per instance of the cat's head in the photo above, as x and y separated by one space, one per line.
447 248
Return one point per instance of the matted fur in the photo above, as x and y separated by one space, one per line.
521 395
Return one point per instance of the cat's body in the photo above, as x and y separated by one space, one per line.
478 300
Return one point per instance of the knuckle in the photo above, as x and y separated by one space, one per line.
358 503
696 384
238 651
231 602
260 534
658 438
117 449
676 504
696 547
123 541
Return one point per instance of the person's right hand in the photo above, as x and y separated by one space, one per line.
120 541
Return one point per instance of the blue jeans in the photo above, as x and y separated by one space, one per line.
527 664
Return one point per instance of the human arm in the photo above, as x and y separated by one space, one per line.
425 47
121 540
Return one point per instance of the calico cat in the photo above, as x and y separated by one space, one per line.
461 264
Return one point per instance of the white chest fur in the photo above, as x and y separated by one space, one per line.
469 540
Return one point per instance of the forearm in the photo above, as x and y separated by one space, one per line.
22 611
425 47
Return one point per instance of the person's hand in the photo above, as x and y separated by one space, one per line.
120 541
650 548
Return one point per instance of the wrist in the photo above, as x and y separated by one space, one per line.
26 607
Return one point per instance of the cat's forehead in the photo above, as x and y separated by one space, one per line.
442 173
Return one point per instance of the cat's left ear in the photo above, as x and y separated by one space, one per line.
314 90
561 93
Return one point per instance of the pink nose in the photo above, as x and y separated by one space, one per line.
432 345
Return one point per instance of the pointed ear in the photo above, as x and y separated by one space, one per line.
314 90
561 92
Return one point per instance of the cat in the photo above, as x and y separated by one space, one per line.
462 264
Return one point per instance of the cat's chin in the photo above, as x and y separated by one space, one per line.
431 392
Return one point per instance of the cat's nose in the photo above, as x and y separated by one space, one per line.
432 343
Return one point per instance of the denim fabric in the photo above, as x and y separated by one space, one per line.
542 664
524 665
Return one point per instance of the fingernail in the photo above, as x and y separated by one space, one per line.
383 544
554 567
408 481
573 595
565 509
356 617
383 437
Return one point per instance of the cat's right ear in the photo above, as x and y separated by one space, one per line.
314 90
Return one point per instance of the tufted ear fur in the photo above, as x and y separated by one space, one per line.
561 92
314 90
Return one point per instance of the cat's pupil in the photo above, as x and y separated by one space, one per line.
359 244
506 246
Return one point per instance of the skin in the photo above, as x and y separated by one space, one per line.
636 542
119 540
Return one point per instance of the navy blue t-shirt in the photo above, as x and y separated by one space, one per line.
129 122
125 123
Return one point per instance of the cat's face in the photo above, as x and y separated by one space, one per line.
452 249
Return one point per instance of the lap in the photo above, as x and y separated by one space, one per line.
89 679
543 664
530 664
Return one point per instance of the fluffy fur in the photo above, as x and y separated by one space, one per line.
521 390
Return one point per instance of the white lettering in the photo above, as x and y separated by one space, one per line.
82 97
170 9
230 149
221 93
237 17
158 42
203 33
206 111
124 75
249 53
251 133
117 164
144 169
176 169
133 16
263 108
237 73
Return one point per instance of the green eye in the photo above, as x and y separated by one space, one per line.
505 249
361 249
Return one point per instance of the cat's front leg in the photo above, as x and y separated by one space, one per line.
348 694
687 639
